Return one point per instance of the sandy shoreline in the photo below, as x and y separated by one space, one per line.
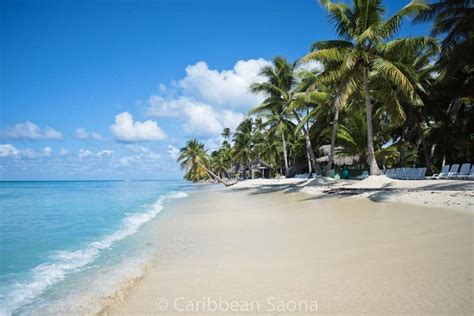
285 249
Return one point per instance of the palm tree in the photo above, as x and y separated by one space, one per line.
365 54
455 20
218 162
311 92
414 111
226 133
194 160
278 88
243 144
449 106
279 124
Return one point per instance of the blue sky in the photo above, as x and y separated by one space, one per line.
111 89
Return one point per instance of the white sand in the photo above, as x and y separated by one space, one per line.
453 194
351 256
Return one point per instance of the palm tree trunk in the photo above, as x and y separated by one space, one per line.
333 141
373 168
212 175
401 160
310 168
426 150
285 155
309 147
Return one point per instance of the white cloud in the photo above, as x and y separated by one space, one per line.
229 88
310 66
201 119
126 130
214 143
159 106
173 152
204 120
230 119
29 153
82 134
47 151
84 153
31 131
96 136
208 100
63 152
7 150
143 152
138 149
198 118
154 156
126 161
106 152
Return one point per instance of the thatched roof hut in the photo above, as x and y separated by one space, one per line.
257 165
340 158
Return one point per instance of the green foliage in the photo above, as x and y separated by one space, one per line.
193 159
419 94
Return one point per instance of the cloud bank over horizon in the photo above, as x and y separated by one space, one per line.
200 105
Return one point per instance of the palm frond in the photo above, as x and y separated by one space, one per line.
393 74
392 25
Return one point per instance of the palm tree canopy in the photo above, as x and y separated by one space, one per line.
193 159
366 40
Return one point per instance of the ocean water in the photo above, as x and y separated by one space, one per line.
70 245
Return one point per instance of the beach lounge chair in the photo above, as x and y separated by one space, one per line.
364 175
444 172
411 173
452 171
463 172
398 173
403 173
470 176
389 172
420 173
395 173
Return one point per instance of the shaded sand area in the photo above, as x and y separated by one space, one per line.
452 194
273 252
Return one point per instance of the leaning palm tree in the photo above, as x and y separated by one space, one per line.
279 91
366 54
194 160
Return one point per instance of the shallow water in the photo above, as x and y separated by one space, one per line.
66 245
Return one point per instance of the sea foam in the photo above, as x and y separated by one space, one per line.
65 262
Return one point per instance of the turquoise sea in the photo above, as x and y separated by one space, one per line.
67 245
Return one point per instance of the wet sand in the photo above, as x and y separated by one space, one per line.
271 252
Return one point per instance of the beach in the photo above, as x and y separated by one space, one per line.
269 247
